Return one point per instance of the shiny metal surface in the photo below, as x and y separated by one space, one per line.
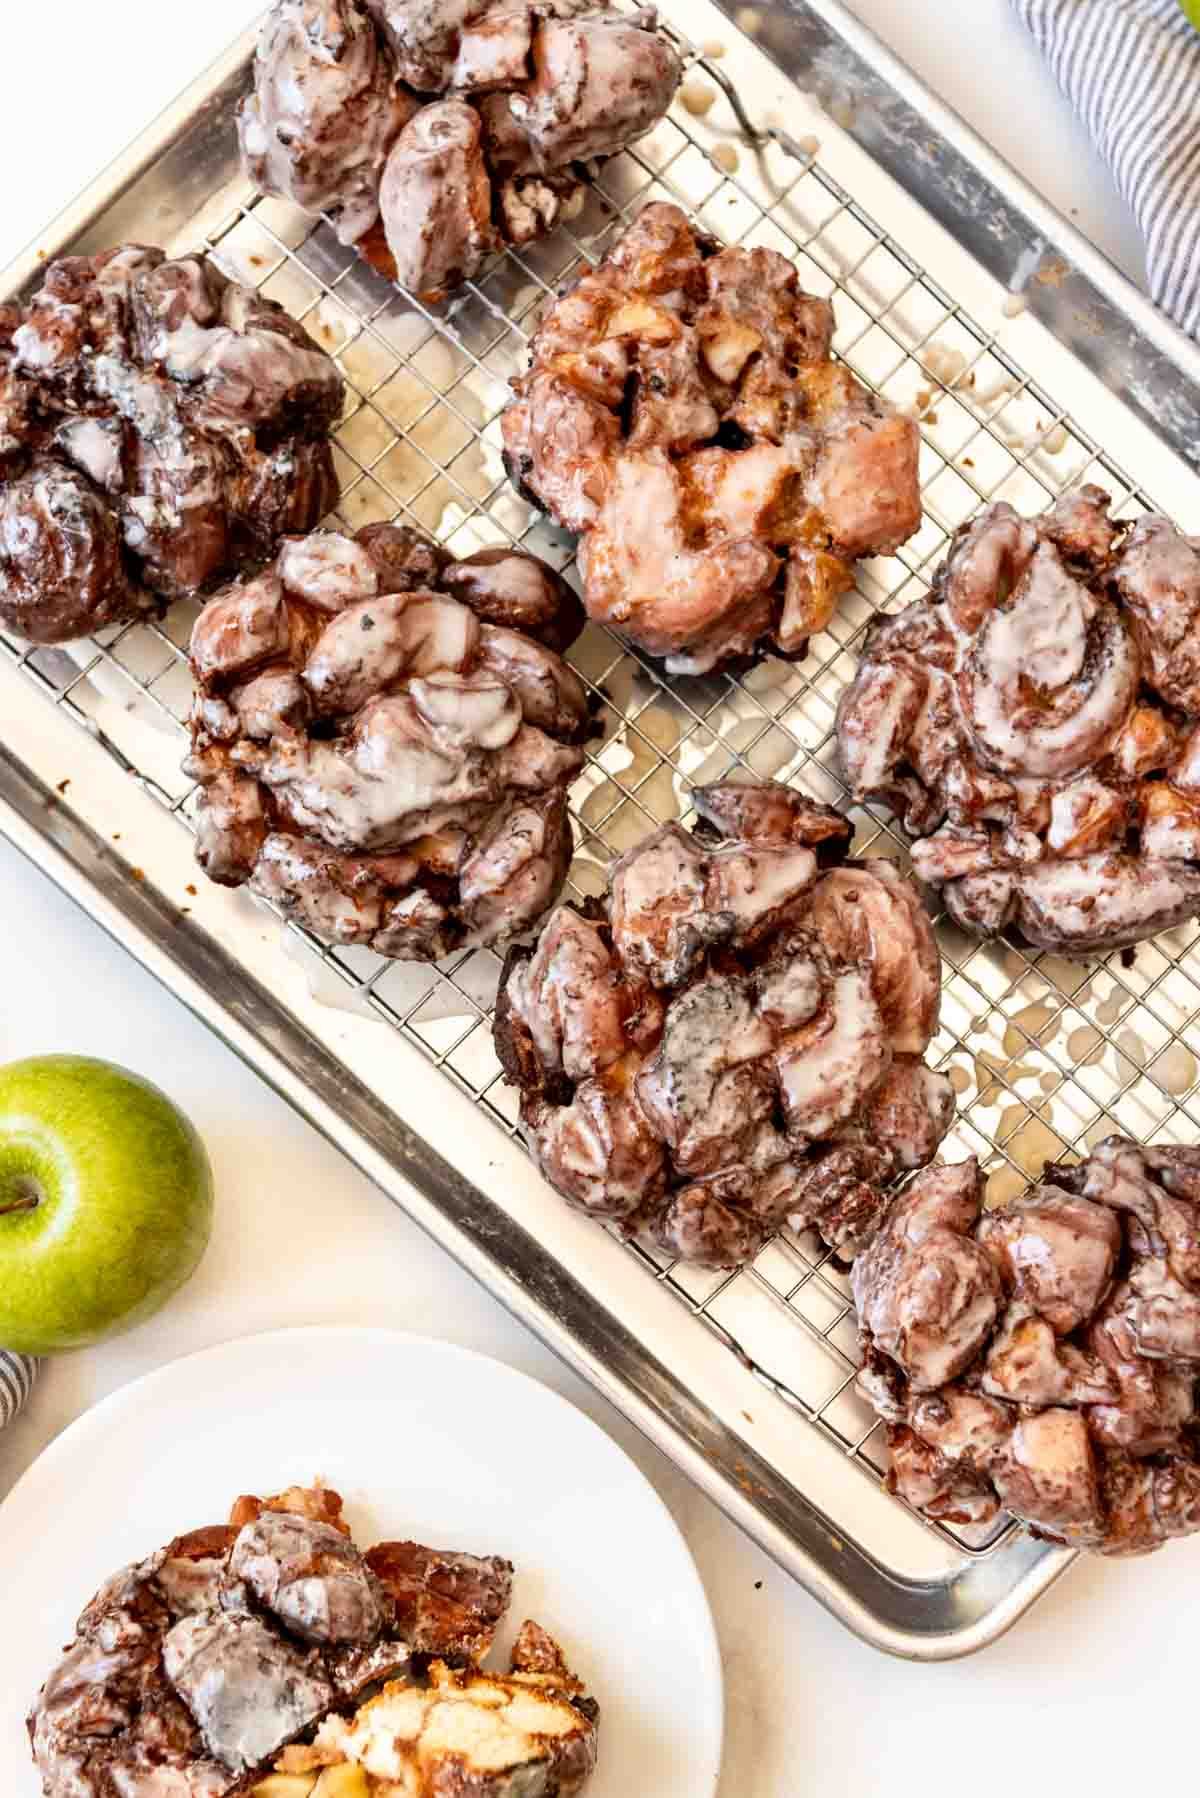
745 1379
1090 305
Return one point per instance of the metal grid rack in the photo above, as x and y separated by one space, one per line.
1047 1056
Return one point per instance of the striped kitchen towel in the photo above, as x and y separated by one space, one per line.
17 1374
1131 69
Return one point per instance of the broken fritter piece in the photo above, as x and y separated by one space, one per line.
532 1731
194 1670
446 1603
681 412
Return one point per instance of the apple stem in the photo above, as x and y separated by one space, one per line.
27 1196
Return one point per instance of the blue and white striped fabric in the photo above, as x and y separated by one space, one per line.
1131 69
17 1374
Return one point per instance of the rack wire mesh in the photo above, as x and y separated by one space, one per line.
1047 1056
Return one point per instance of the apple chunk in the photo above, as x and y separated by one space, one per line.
727 347
344 1781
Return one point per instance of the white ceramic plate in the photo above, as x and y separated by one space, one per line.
423 1440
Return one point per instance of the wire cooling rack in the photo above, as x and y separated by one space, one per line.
1047 1056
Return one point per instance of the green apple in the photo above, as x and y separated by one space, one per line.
105 1201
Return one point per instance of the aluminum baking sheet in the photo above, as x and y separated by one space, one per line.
746 1378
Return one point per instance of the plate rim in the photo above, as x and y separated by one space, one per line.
47 1460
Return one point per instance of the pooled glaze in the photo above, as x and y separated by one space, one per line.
871 913
437 200
571 998
551 695
373 645
62 573
693 549
101 1707
1043 641
717 1052
927 1295
325 110
1018 720
384 763
671 900
1159 580
248 1690
704 1089
1056 1254
600 80
829 1066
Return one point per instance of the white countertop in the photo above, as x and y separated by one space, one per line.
302 1238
